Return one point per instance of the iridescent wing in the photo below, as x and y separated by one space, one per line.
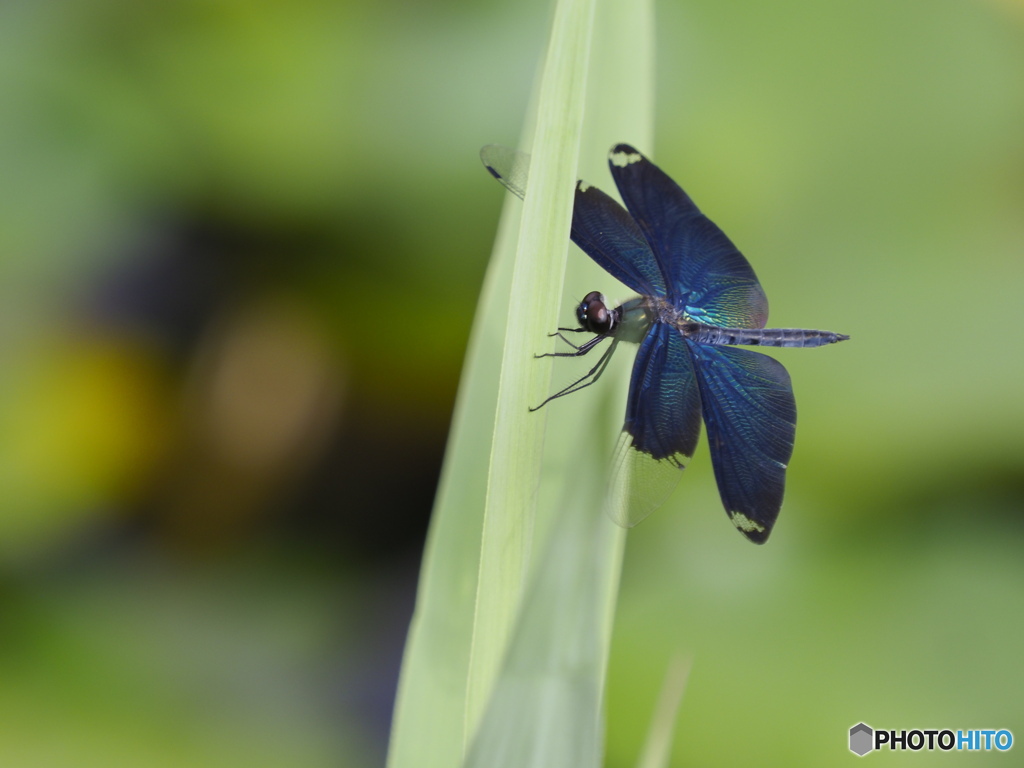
750 415
600 226
662 426
608 235
707 276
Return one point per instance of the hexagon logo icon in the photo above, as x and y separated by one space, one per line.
861 739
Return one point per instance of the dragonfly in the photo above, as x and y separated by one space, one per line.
699 302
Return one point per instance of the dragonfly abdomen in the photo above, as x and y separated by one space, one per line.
759 337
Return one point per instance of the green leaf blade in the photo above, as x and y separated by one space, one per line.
536 290
531 584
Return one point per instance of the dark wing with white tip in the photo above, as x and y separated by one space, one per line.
750 414
707 276
601 227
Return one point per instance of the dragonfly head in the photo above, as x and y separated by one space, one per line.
594 315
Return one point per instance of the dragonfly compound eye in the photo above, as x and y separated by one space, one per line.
593 314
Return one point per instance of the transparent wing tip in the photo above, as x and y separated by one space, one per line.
510 167
639 483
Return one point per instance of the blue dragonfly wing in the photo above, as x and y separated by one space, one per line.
606 232
707 276
601 227
750 415
662 426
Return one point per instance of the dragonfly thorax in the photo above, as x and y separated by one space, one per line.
660 310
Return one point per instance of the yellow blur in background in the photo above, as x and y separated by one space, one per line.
240 248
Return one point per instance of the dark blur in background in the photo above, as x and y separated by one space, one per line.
241 244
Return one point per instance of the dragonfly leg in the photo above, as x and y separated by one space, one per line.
560 336
581 350
593 374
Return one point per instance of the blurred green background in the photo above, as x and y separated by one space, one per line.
240 247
